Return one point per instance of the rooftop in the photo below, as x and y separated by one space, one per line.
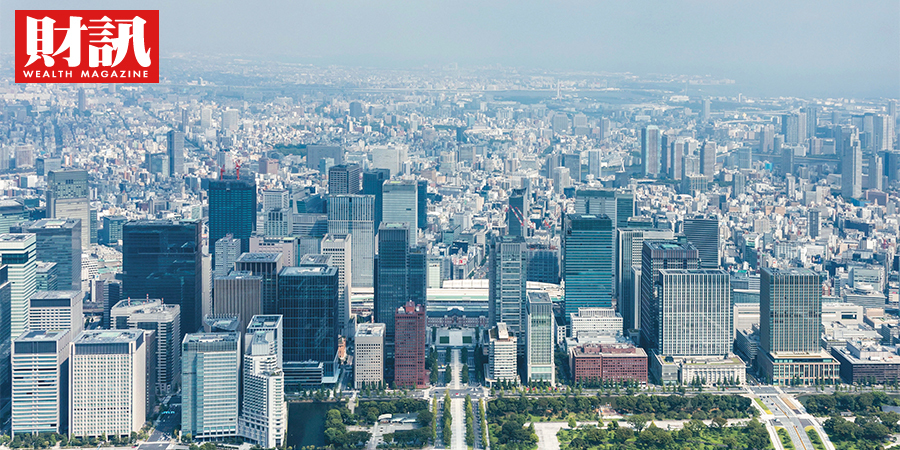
42 335
96 337
264 321
259 257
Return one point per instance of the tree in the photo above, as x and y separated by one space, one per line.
572 424
719 422
638 421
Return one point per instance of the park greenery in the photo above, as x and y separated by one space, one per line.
785 439
864 433
701 407
470 422
339 417
695 435
448 421
828 404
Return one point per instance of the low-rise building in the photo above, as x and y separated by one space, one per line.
867 363
609 362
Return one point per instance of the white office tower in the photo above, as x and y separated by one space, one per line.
340 249
205 117
539 338
264 414
230 120
279 222
389 157
268 323
355 215
210 371
40 378
695 313
109 383
400 204
18 253
368 362
502 354
227 250
165 319
57 310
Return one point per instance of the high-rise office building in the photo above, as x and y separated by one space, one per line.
630 245
57 310
109 385
307 300
18 253
793 128
5 340
708 159
267 266
650 151
165 320
162 259
238 294
210 378
705 110
518 212
507 266
111 233
409 355
502 354
695 313
391 276
289 247
230 119
422 203
883 133
703 232
417 275
355 215
656 256
227 250
68 197
588 270
400 204
813 221
232 209
340 250
851 167
279 222
263 417
373 181
59 241
270 323
539 338
618 205
40 386
344 179
175 151
543 264
790 310
368 355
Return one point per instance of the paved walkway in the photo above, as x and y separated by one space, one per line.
457 407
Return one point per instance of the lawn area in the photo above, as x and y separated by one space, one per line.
815 438
762 405
695 435
785 439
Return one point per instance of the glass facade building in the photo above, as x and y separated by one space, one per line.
308 302
232 210
588 253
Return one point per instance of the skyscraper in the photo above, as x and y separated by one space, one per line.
507 266
175 151
267 266
227 250
307 300
232 209
695 313
59 241
539 338
111 233
5 341
400 204
630 245
409 356
791 128
344 179
703 232
340 250
391 276
68 197
355 215
618 205
373 181
263 417
40 374
165 320
588 251
57 310
708 159
162 259
422 203
17 252
517 215
656 256
813 221
790 310
109 386
210 378
650 151
851 167
238 294
368 356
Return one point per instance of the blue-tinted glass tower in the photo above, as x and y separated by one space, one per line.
588 253
232 209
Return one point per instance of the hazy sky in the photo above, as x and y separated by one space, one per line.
775 47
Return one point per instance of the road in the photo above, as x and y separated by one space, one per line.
789 414
458 442
160 437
